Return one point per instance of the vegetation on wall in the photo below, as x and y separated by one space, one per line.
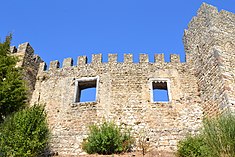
107 139
217 139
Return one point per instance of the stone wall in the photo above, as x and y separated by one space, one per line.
202 86
29 62
124 96
209 42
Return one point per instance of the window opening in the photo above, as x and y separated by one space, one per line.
86 90
160 91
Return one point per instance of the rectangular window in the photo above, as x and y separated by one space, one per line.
160 90
86 89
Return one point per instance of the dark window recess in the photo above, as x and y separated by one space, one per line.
160 91
86 91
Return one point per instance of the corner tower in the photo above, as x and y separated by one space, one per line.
210 47
29 62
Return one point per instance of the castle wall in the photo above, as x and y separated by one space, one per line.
203 86
209 44
30 64
226 54
124 96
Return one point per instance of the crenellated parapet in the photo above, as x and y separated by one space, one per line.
29 62
112 59
210 28
25 53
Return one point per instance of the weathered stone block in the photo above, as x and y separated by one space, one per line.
82 60
128 58
112 58
144 58
54 65
68 62
159 58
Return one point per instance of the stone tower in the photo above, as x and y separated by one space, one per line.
124 91
30 64
210 45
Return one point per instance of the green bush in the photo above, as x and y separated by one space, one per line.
193 146
24 133
217 139
219 134
107 139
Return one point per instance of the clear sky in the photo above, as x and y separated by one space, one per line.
57 29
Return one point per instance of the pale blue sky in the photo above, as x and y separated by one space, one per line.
58 29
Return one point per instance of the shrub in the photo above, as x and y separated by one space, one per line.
107 139
193 146
24 133
219 134
217 138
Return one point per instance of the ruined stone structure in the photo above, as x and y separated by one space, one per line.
204 85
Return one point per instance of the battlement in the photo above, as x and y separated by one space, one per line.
29 62
208 15
209 27
22 48
205 16
112 59
25 52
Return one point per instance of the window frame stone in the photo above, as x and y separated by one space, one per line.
77 91
151 81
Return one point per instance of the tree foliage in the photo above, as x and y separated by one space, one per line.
12 87
24 133
23 130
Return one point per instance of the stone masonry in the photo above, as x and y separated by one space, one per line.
202 86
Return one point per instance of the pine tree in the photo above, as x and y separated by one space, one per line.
12 87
